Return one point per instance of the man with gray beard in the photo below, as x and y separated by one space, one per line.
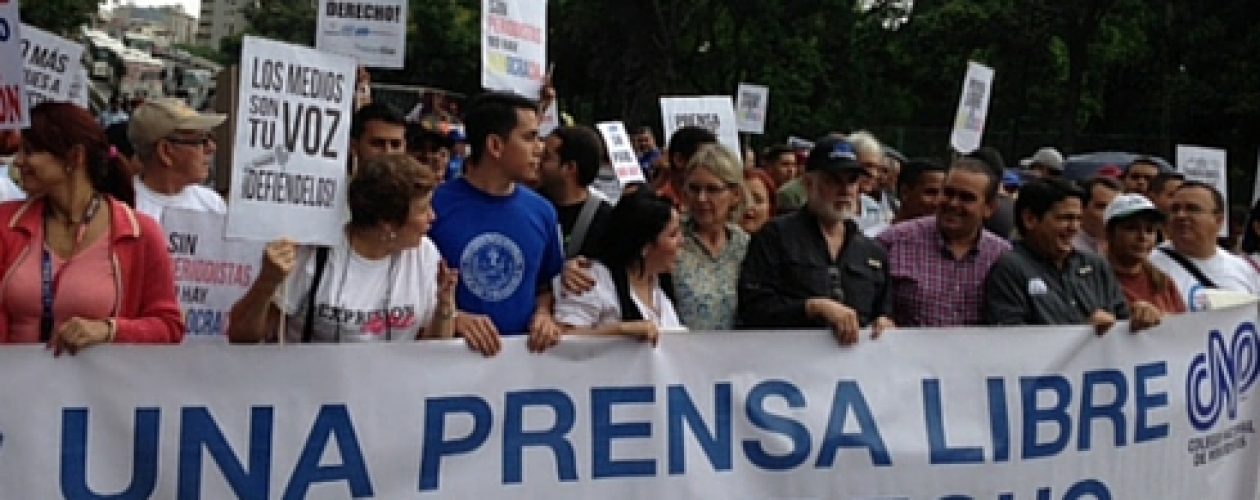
814 267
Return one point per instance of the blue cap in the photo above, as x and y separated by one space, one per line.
1011 179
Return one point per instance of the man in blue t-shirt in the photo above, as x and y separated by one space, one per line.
503 237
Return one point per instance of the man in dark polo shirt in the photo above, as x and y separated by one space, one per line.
1043 280
813 267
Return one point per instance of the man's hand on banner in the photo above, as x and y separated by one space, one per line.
479 333
881 325
543 332
1102 321
842 319
1143 315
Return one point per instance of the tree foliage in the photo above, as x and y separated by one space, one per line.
1079 74
58 16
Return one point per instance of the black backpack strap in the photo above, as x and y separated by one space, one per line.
629 310
308 328
583 225
1189 266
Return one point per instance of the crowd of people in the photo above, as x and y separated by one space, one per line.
491 229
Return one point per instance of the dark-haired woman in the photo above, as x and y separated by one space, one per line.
628 298
383 282
77 233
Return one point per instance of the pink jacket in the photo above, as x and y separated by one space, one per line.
145 279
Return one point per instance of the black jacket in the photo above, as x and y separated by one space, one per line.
788 264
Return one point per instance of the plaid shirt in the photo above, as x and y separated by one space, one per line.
929 286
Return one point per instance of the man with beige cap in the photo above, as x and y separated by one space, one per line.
175 149
1046 162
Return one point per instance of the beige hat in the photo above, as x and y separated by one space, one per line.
157 118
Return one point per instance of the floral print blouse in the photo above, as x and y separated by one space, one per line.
705 285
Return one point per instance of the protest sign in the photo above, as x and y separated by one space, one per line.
514 45
715 113
750 107
14 109
211 272
958 414
550 119
373 32
620 152
52 65
1206 165
290 152
973 108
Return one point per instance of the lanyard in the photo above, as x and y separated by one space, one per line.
389 294
49 285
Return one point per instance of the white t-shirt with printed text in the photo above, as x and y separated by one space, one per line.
355 293
194 197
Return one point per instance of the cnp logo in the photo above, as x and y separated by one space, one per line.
1218 379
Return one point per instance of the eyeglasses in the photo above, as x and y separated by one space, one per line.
1191 210
202 141
709 190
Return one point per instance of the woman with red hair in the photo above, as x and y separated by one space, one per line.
77 233
760 206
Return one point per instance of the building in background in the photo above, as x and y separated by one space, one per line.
220 19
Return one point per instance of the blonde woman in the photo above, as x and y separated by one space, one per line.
713 244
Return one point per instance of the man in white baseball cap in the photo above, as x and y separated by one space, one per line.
1046 162
175 148
1132 223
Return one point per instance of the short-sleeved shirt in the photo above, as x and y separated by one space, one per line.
600 305
1226 270
929 286
1140 286
360 299
788 263
507 249
705 284
194 197
1024 288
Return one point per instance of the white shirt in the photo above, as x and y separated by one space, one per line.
872 219
1228 271
600 306
355 292
9 190
193 197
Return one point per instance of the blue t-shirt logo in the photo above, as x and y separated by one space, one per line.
492 266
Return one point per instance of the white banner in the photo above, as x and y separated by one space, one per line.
621 153
373 32
14 109
291 147
1206 165
984 413
715 113
514 45
750 107
52 65
211 272
973 108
